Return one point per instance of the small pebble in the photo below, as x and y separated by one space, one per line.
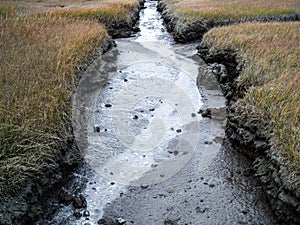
77 213
121 221
86 213
96 128
144 186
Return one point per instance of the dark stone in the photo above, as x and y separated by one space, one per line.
151 110
79 202
136 29
205 112
107 221
101 221
77 213
96 128
200 209
144 186
86 213
135 117
178 130
125 80
66 197
172 219
121 221
108 105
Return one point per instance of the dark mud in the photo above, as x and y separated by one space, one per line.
185 31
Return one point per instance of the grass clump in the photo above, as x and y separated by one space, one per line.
233 9
271 53
6 10
38 57
107 14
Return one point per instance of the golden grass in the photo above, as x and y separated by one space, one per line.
39 57
108 13
271 52
37 6
232 9
6 10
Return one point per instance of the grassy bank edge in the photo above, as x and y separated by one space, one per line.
269 53
20 164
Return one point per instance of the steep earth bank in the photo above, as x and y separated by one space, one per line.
253 138
28 204
123 28
248 134
191 30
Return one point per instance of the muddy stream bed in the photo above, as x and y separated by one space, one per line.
149 155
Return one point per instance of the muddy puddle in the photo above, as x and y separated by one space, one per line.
149 155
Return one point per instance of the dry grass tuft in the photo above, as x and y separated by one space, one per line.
271 52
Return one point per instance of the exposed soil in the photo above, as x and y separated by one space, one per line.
252 138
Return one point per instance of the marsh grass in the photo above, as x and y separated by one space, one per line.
39 58
233 9
107 14
271 53
6 10
40 54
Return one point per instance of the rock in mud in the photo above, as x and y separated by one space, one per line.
86 213
108 221
144 186
172 219
66 197
205 112
77 213
96 128
121 221
79 202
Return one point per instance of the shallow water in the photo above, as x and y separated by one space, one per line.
155 159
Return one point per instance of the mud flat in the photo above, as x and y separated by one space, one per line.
246 133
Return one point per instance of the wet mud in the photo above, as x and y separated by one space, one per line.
151 127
